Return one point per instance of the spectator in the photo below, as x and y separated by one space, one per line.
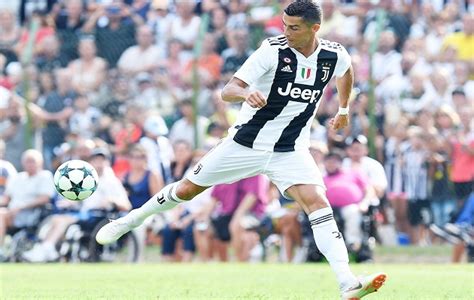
15 132
237 18
54 110
415 170
236 54
10 36
442 198
209 63
218 27
141 184
114 32
183 129
50 59
7 170
185 27
84 122
386 58
88 71
115 107
350 193
183 155
69 20
463 41
157 146
251 207
358 160
462 157
395 146
159 19
144 57
46 28
333 18
25 195
109 195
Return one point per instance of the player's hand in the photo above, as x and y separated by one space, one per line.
256 100
339 122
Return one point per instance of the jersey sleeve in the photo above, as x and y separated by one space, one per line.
343 62
257 64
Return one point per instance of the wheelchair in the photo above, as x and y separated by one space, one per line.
22 239
79 244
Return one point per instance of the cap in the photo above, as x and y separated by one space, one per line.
155 125
143 77
104 152
360 139
160 4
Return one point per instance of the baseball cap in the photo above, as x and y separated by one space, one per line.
143 77
360 139
155 125
160 4
100 151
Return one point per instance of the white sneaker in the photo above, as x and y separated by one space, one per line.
112 231
301 255
367 285
51 254
36 254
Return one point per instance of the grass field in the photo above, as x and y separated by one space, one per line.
224 281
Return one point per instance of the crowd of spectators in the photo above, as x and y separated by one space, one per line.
117 77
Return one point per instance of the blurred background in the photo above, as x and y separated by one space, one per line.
133 87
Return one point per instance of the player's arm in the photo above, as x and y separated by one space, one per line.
344 89
236 90
39 201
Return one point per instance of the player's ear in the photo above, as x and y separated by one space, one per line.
315 27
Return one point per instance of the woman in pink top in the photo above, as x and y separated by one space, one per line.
462 156
349 192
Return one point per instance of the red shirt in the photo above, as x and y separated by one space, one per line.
463 163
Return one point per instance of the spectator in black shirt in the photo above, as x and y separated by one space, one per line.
118 34
69 21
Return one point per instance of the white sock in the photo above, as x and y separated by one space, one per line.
164 200
331 244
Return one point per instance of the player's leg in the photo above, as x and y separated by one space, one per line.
297 176
166 199
326 233
330 242
228 162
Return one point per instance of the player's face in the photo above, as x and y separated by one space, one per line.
298 33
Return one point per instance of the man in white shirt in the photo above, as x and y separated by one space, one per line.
110 192
25 194
143 57
358 160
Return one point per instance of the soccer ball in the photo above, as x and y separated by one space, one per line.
76 180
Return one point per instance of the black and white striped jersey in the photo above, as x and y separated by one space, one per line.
293 85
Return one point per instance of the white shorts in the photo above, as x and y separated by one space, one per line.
229 162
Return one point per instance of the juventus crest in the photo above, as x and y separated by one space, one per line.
326 67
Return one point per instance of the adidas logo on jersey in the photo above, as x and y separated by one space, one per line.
286 69
309 95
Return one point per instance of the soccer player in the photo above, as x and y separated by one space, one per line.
280 85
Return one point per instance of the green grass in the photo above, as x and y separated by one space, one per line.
224 281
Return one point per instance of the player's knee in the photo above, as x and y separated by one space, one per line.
316 201
187 190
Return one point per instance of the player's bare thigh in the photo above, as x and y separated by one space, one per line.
311 197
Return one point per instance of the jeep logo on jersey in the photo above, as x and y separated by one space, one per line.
309 95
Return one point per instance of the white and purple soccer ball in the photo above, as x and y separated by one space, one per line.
76 180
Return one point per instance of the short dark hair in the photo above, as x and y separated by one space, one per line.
336 154
308 10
